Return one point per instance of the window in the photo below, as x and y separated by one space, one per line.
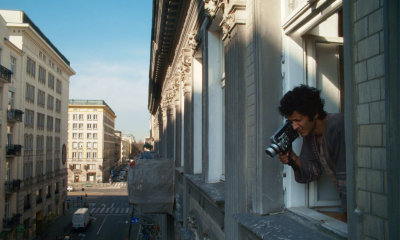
75 117
74 155
58 125
74 135
59 86
77 166
50 102
92 166
89 135
80 135
59 70
95 135
74 126
95 155
57 144
12 65
40 121
30 93
49 143
30 67
89 126
89 145
94 116
95 145
10 100
80 125
80 117
80 144
75 145
39 143
89 117
58 105
95 126
42 75
49 123
88 155
50 80
41 98
80 155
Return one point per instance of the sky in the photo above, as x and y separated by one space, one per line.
108 46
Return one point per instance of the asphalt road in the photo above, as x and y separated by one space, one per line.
111 214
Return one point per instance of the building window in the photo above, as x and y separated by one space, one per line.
81 135
77 166
74 126
89 117
95 116
95 155
42 75
95 135
95 126
58 105
92 166
49 123
30 67
88 155
58 125
12 65
75 117
40 121
41 98
80 155
74 155
30 93
50 80
29 116
89 145
89 126
95 145
80 125
80 144
80 117
89 135
50 102
59 86
74 135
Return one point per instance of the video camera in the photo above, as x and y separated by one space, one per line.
282 139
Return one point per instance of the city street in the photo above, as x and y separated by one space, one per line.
110 210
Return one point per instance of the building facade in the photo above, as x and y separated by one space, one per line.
35 127
127 146
218 71
91 141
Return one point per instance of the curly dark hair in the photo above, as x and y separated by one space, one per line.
304 99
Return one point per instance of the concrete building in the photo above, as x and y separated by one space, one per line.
91 141
118 147
33 187
218 71
128 140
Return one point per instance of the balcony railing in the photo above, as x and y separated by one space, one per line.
5 74
48 196
12 186
11 223
14 115
39 200
27 206
13 150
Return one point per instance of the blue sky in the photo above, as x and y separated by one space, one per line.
108 45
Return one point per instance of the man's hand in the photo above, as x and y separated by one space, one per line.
284 158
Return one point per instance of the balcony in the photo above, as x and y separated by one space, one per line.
27 207
12 186
39 200
5 74
14 115
56 192
11 223
48 196
13 150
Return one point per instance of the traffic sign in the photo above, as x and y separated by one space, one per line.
135 220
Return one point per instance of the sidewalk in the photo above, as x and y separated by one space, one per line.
92 185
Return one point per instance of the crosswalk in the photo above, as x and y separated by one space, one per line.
118 184
109 210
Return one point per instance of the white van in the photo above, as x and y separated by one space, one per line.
81 219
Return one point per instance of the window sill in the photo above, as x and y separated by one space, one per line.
285 225
322 220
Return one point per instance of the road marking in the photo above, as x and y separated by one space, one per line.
97 210
91 211
112 205
112 210
102 225
108 209
117 210
81 234
102 210
127 210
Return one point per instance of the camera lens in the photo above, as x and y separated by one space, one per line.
272 150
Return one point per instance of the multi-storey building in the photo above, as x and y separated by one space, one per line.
91 141
118 147
128 140
34 167
218 71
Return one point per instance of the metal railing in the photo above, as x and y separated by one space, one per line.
27 206
14 115
11 223
13 150
12 186
5 74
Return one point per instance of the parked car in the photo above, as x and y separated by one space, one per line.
70 188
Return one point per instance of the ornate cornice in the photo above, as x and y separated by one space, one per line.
193 40
234 14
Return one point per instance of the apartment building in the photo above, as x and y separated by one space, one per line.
218 71
91 141
127 141
34 128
